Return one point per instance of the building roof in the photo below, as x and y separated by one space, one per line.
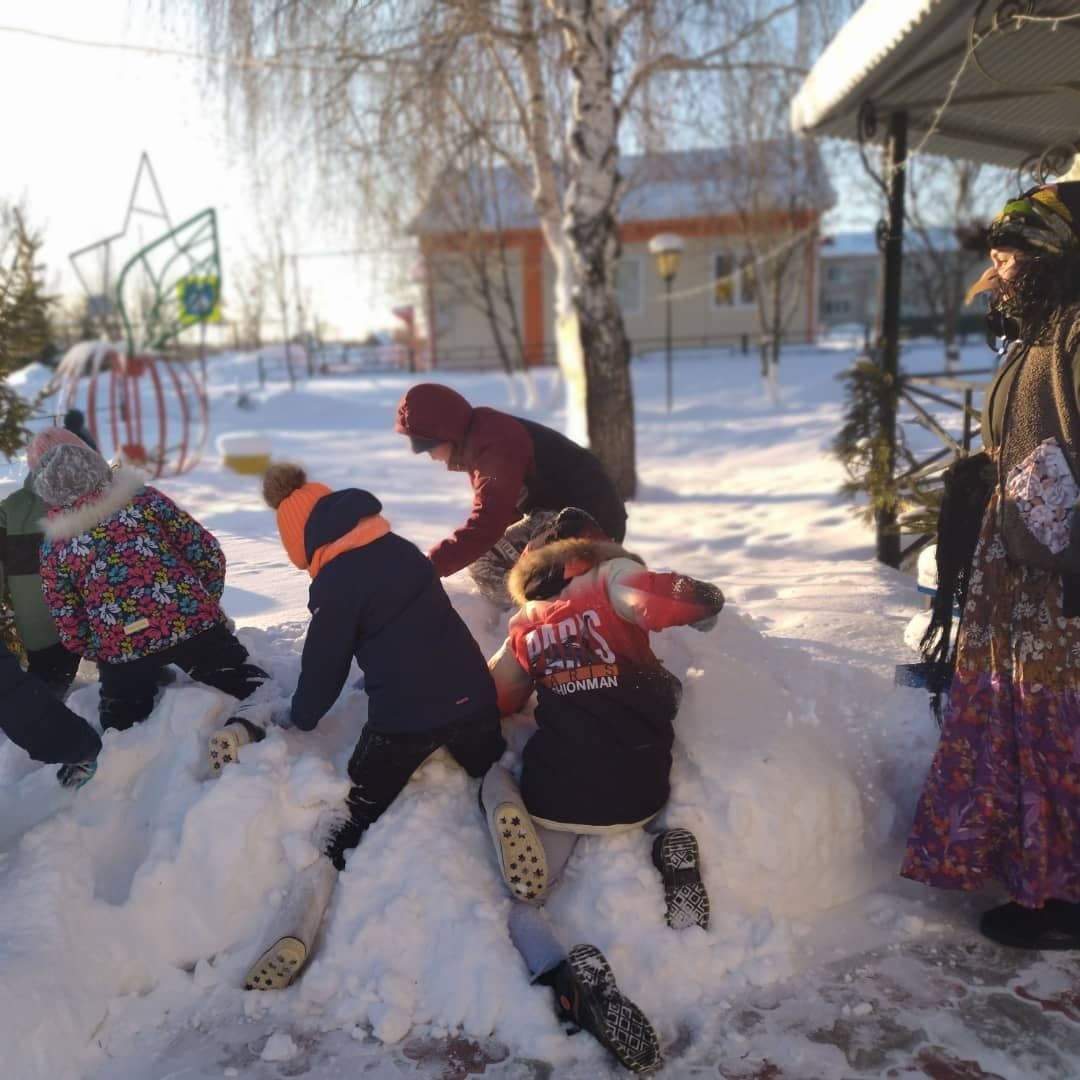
847 244
668 186
985 86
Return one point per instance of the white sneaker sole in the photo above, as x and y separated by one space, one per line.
278 966
521 855
223 749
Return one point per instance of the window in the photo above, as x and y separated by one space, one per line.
628 284
836 275
837 307
734 280
748 281
724 280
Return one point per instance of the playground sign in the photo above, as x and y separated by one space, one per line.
199 297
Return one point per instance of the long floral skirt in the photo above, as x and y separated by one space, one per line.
1002 801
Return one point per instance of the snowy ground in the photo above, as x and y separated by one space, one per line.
131 909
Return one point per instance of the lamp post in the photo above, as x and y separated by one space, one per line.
667 247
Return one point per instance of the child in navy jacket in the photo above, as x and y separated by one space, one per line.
376 598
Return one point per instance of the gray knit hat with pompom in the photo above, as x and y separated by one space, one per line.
68 472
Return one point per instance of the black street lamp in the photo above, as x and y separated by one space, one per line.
667 247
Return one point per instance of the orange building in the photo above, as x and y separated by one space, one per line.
749 218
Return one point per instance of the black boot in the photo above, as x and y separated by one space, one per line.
338 834
675 855
340 827
586 997
1056 925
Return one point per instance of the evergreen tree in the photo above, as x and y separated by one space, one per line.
24 336
874 477
24 324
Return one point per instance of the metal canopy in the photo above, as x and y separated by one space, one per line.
990 81
996 81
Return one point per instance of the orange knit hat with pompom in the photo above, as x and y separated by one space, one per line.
287 490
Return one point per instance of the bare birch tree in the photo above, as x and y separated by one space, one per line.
777 188
251 284
773 179
367 84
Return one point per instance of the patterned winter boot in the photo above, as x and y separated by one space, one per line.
675 855
587 998
224 745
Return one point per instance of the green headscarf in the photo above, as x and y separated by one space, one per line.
1043 221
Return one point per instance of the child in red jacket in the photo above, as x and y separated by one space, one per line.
600 759
522 474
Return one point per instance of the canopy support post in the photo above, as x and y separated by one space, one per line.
891 236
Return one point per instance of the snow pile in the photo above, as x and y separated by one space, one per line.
144 896
158 883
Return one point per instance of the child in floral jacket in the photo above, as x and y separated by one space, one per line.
134 583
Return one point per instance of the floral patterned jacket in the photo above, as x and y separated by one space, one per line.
126 573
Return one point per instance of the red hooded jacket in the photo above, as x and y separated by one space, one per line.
514 465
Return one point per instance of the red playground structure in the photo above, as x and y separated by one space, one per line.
146 410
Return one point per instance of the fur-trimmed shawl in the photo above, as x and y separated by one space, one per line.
541 574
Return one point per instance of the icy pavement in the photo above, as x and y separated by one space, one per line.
955 1010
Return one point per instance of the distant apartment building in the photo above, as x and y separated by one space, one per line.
487 276
936 272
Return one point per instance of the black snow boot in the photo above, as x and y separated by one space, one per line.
339 834
675 855
587 998
1056 925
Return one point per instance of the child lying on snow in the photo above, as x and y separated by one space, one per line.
133 582
32 718
374 596
600 759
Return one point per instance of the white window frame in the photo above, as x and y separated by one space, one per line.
743 302
639 305
737 298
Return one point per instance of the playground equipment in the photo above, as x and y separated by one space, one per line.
146 409
140 405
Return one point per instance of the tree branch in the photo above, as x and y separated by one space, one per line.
710 59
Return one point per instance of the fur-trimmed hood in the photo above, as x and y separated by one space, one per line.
541 574
64 524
